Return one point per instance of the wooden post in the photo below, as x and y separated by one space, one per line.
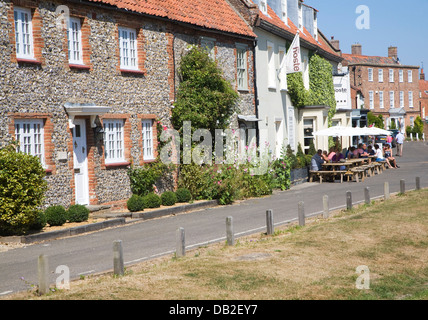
301 213
229 231
43 274
367 195
181 243
418 183
402 186
269 222
386 190
118 266
348 200
326 209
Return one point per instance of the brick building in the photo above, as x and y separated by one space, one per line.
70 70
423 102
389 88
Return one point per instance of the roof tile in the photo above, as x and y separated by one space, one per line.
213 14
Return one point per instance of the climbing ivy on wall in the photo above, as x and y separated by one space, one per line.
321 88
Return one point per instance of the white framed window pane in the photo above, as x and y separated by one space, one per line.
128 48
241 66
371 99
391 75
410 76
147 136
401 77
411 99
380 75
283 74
74 37
381 105
23 33
391 99
114 141
401 99
370 71
30 137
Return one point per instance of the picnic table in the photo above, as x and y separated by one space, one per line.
355 169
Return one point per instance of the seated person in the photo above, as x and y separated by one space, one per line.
379 155
350 154
388 155
331 153
370 151
317 161
325 156
337 157
362 153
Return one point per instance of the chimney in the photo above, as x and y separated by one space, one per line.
422 76
357 49
392 52
335 43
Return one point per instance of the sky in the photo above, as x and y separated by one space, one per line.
391 23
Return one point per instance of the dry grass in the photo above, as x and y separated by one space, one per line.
315 262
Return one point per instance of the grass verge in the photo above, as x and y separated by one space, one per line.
315 262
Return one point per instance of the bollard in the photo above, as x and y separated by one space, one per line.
229 231
402 186
118 266
43 274
367 195
325 207
348 200
269 222
386 190
418 183
181 244
301 213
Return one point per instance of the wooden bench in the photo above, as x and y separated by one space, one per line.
326 174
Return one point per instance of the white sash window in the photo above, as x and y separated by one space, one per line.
74 35
147 135
114 141
128 49
29 135
23 33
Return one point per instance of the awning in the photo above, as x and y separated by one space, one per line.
81 109
249 118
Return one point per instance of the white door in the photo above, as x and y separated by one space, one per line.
81 183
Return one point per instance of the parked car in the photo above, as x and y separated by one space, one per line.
394 132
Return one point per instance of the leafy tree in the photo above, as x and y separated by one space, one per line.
204 97
377 121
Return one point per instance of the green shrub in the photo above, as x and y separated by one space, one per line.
152 200
135 203
22 190
142 179
168 198
56 215
183 195
40 222
77 213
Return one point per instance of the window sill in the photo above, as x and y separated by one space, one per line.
131 71
243 90
118 164
149 160
79 66
29 61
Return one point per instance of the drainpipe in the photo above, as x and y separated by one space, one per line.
256 99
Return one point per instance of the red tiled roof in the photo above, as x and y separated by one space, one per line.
213 14
273 18
360 59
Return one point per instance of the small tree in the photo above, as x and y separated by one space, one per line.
204 97
22 190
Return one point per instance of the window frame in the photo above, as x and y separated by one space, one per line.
370 74
391 75
241 67
381 100
19 35
282 55
371 99
391 99
79 51
410 95
114 145
132 46
410 76
20 137
271 65
401 76
148 142
380 75
401 99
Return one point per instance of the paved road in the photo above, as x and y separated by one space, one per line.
92 253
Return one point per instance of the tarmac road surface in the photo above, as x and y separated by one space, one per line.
93 253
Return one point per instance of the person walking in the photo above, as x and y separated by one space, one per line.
399 140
